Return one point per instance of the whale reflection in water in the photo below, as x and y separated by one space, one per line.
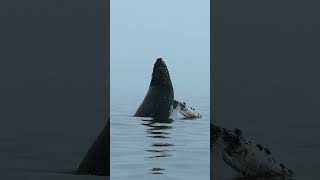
160 147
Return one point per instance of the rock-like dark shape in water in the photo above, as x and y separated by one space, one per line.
159 98
97 159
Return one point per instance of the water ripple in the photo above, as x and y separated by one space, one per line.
158 131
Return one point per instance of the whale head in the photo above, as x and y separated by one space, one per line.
159 98
160 74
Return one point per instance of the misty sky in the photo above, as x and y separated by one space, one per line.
176 30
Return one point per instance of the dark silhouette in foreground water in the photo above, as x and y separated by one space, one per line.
96 161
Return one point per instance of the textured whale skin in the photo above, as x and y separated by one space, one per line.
247 158
159 98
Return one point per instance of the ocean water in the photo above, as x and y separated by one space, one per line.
142 149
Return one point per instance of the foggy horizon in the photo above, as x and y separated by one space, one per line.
141 33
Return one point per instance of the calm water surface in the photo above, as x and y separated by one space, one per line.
144 149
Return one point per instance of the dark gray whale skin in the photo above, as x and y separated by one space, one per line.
97 159
159 98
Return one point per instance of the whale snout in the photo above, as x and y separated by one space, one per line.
159 60
160 66
160 74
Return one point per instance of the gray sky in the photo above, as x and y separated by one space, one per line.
176 30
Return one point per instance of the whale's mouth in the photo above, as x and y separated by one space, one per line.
160 74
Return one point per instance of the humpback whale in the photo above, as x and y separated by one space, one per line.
159 102
96 161
159 98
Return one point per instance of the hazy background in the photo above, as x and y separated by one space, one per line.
143 30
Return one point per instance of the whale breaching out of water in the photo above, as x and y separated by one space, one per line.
159 102
246 158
